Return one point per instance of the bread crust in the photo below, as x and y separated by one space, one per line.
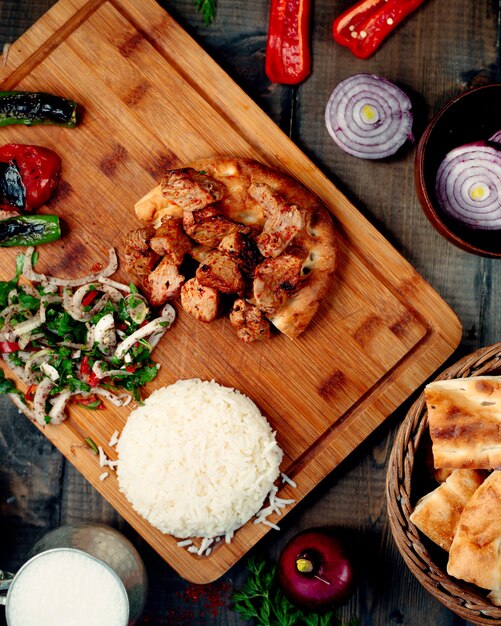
315 243
475 552
464 416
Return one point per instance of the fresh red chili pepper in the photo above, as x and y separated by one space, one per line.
91 402
9 346
39 169
94 380
84 366
89 297
30 393
363 27
288 58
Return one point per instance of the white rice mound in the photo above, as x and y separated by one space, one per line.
198 459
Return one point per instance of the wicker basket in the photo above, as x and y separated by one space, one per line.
404 487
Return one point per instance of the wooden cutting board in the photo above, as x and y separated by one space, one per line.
152 99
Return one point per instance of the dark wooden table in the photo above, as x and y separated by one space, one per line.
448 46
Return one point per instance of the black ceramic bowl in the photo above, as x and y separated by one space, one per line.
472 116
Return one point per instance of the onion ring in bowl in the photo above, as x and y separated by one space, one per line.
496 138
468 185
369 117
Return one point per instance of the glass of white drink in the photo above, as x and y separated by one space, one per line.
82 575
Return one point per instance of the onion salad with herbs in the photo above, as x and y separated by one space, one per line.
89 338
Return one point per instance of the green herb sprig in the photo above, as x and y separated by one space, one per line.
208 10
262 600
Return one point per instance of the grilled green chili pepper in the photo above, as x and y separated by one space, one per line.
29 230
29 108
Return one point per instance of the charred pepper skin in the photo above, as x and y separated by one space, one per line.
30 108
29 230
363 27
288 57
12 189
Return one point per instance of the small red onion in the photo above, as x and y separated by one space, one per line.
315 571
369 117
468 185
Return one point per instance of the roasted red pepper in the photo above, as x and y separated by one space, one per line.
39 176
86 370
288 58
91 402
89 297
365 26
8 346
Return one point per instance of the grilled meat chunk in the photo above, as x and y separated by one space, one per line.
199 253
207 227
249 321
199 301
220 272
275 280
139 239
140 262
164 283
282 221
243 250
170 239
191 190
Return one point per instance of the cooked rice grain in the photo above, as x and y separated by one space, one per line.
197 460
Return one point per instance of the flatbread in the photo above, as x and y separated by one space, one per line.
475 554
437 514
464 415
236 196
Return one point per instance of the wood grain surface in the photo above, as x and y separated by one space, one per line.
443 49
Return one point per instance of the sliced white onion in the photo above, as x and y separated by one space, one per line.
57 414
153 340
30 291
117 400
139 311
104 334
30 273
50 371
72 303
41 395
27 326
9 310
369 117
44 303
22 406
10 298
7 333
155 326
100 373
26 339
18 370
468 185
168 313
42 356
114 283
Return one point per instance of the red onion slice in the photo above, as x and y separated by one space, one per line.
496 138
468 185
369 117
